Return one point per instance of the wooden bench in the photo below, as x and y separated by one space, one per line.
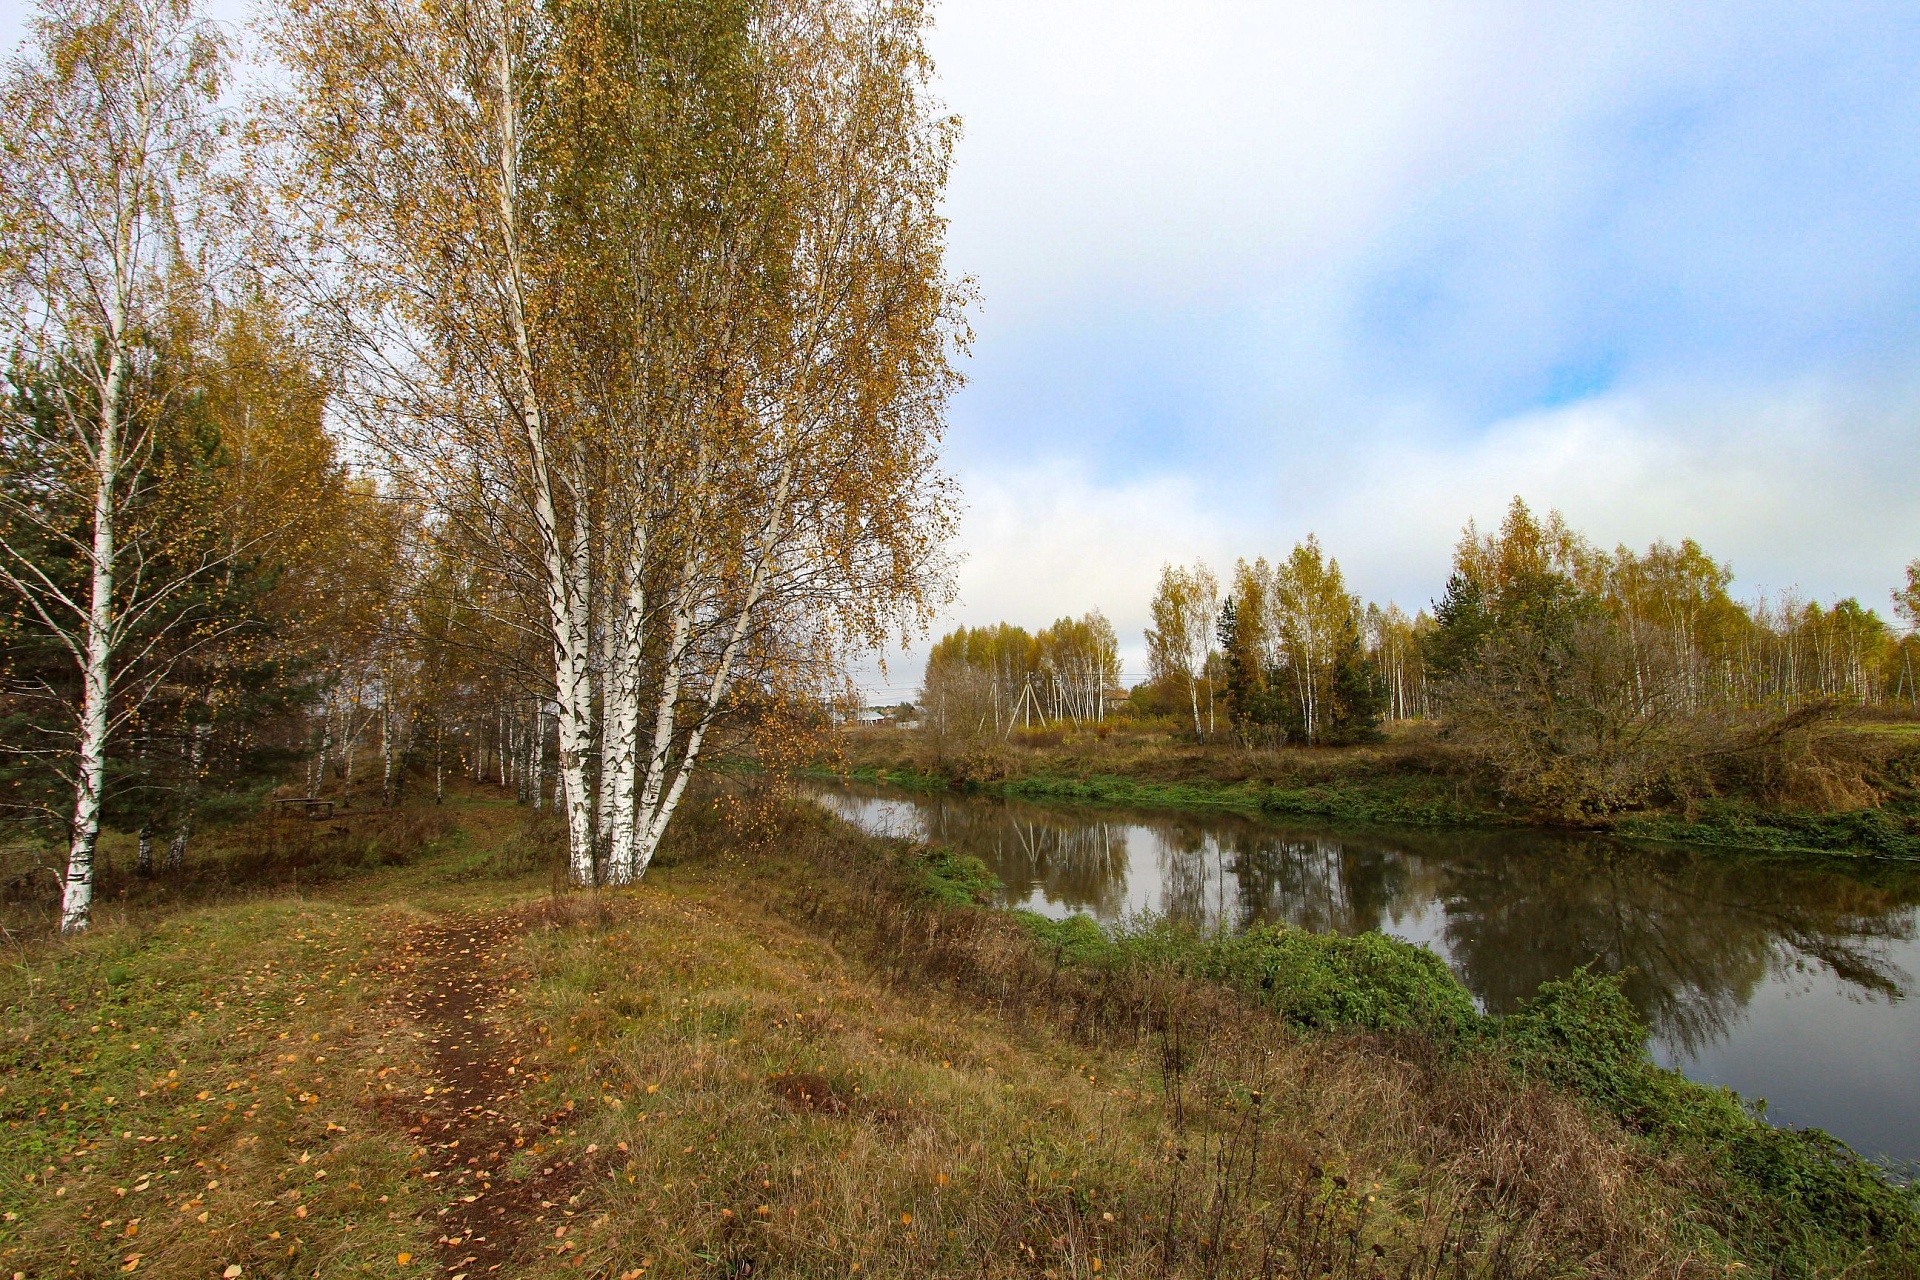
312 810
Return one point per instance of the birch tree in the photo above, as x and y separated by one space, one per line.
1311 617
1906 599
1080 660
109 144
409 131
1394 642
1906 603
651 300
1180 642
975 682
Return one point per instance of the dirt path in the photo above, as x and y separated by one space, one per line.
453 975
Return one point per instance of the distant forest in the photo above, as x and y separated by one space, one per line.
1545 651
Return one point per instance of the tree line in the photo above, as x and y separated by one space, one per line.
541 389
982 680
1542 648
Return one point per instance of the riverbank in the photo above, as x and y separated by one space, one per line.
813 1054
1411 779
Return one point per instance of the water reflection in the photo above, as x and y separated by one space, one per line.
1700 935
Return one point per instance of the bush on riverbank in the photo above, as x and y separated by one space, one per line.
1314 981
1325 981
1798 1198
1278 1152
1798 1195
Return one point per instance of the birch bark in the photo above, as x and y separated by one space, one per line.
539 754
658 810
76 906
620 727
565 568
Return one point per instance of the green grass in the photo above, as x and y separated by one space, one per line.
909 779
1401 801
186 1094
1889 832
1799 1199
813 1054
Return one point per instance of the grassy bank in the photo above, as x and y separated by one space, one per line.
1412 779
813 1055
1410 783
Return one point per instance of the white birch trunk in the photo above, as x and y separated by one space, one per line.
539 755
564 568
177 848
620 729
386 747
610 699
196 756
346 757
664 716
318 778
657 813
76 907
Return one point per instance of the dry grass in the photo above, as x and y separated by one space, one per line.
767 1061
1157 757
1246 1143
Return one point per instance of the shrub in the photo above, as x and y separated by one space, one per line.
1078 939
954 879
987 762
1799 1196
1315 981
1319 980
1583 1034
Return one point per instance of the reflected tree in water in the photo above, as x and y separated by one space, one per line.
1696 933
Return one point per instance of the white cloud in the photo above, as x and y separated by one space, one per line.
1780 481
1788 483
1131 144
1044 541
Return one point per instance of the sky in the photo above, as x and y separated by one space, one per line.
1370 269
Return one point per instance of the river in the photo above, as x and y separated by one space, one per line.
1785 979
